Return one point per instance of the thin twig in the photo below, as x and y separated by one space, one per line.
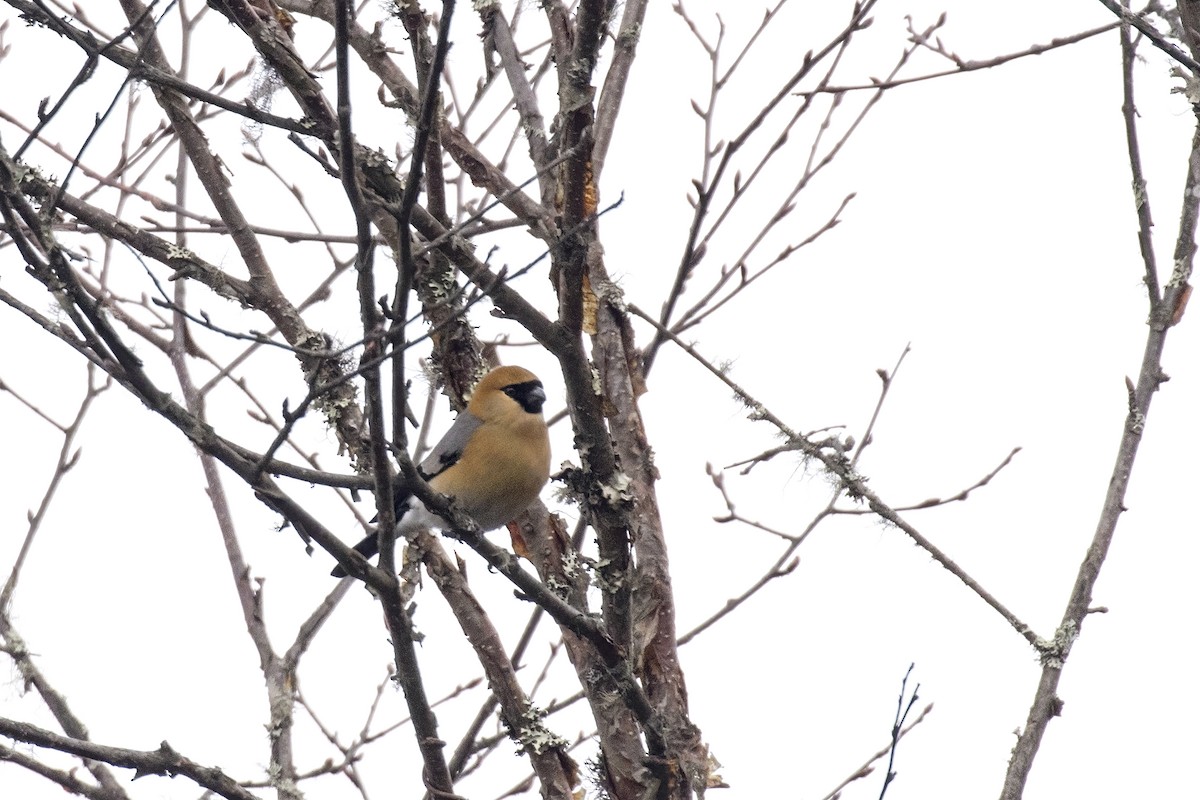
963 67
866 769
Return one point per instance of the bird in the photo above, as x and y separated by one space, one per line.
493 461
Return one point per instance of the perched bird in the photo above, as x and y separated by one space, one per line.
493 461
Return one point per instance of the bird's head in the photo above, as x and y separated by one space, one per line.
494 395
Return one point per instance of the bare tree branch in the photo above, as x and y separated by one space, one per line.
163 761
1164 313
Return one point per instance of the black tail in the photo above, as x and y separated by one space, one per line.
369 545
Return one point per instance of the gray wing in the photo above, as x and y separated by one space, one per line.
443 456
447 452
